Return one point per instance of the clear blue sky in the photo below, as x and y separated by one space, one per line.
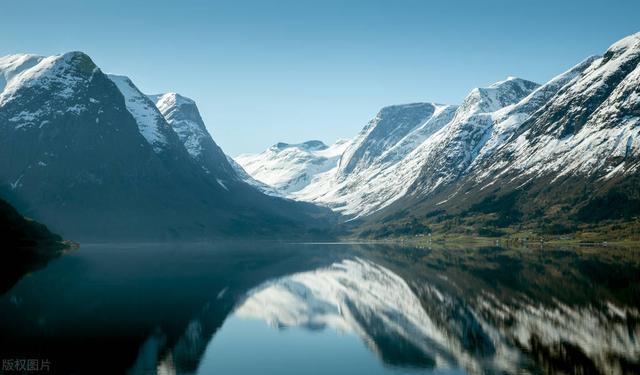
269 71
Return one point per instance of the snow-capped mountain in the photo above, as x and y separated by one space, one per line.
591 125
391 125
386 158
445 141
447 154
184 117
370 172
290 167
580 128
93 157
568 150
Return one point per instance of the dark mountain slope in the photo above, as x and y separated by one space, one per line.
73 156
26 245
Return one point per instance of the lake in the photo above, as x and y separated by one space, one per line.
286 308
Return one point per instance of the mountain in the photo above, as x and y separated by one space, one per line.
565 155
563 158
96 159
370 170
515 152
444 141
184 117
385 159
290 167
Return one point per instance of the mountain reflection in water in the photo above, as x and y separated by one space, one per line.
187 309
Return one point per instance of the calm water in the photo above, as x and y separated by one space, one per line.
265 308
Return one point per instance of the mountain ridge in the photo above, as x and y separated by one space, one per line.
551 152
97 160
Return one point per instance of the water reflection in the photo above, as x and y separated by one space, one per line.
189 309
439 328
360 297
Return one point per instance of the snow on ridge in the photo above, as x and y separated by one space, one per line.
496 96
182 114
12 65
289 168
610 134
147 116
628 42
508 119
246 177
388 165
167 101
389 126
620 54
65 73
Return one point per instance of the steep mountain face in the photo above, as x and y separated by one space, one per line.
290 167
183 116
441 145
390 125
514 151
382 168
448 153
568 151
366 175
151 123
384 161
94 158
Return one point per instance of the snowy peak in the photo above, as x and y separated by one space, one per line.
390 125
37 89
172 122
540 96
496 96
62 74
631 42
183 116
289 168
508 120
600 95
12 65
175 108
